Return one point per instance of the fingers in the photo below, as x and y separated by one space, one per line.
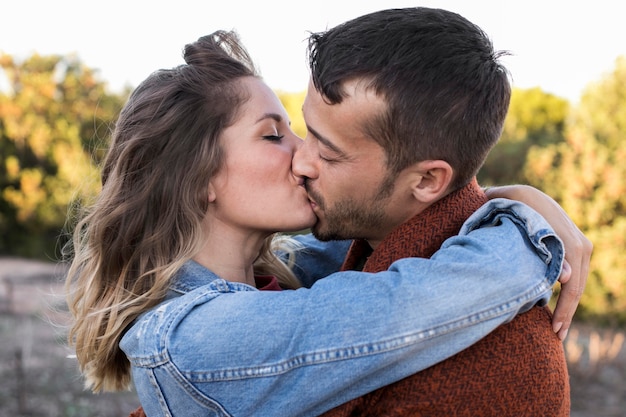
564 304
573 281
566 272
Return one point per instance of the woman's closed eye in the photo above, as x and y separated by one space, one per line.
273 138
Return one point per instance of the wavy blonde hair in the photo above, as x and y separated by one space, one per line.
146 221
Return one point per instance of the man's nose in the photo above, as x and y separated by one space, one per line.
303 163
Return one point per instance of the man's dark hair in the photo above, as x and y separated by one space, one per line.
446 93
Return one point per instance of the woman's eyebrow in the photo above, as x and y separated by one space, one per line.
273 116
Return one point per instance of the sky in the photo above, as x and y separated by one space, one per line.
560 46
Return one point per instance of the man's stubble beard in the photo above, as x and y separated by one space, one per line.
351 219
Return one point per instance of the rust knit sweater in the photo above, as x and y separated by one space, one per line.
518 370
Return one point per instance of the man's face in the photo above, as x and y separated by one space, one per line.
346 176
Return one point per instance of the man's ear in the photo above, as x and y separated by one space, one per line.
431 180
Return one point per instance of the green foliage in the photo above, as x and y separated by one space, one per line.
535 119
574 155
604 298
55 116
585 173
51 115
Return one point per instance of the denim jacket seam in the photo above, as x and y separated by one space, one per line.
162 402
364 350
201 398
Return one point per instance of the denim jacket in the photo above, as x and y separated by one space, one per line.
219 348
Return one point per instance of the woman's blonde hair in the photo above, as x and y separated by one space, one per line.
146 221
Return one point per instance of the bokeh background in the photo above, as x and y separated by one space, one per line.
66 68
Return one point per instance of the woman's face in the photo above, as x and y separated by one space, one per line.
255 189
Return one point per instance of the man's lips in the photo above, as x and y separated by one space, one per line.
312 202
311 196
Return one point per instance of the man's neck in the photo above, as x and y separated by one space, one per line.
421 235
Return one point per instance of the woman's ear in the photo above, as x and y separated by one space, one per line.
431 180
212 195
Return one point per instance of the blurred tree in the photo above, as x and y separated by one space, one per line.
586 174
535 118
54 115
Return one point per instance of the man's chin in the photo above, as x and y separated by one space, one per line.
318 232
323 234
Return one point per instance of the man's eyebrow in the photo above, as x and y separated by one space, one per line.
325 141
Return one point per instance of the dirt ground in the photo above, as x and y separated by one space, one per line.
38 376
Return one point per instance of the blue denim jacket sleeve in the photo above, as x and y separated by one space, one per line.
226 349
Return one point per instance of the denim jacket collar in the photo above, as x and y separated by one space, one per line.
192 276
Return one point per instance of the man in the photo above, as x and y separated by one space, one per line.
402 109
355 324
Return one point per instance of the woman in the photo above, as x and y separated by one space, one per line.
169 261
218 190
